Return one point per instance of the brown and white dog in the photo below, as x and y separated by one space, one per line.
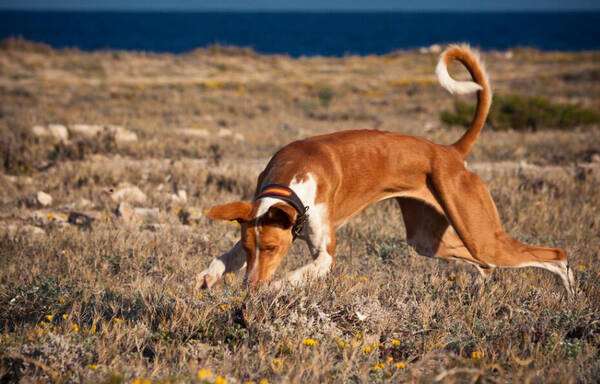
310 187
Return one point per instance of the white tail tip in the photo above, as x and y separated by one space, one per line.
451 85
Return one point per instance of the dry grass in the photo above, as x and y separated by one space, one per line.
115 303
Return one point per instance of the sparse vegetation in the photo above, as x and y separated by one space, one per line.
524 113
110 298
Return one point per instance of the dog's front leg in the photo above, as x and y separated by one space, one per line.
231 261
319 267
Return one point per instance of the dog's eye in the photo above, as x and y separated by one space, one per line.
268 248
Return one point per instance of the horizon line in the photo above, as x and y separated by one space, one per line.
303 10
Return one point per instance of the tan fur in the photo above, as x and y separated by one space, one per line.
447 209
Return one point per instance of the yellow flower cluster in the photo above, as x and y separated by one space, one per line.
141 381
277 364
310 342
477 354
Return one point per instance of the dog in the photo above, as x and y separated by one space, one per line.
312 186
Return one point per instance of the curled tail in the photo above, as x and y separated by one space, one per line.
470 60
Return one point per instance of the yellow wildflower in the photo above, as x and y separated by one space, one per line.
93 329
374 345
477 354
224 307
263 381
378 366
277 364
204 373
400 365
49 317
310 342
106 218
366 349
358 336
343 344
50 216
75 327
362 279
220 380
65 316
141 381
117 320
388 374
390 359
395 342
61 300
249 382
93 366
582 267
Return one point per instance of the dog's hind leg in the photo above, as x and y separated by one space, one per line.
470 209
430 233
231 261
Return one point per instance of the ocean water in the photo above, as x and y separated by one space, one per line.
303 33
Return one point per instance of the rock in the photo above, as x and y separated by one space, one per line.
595 158
127 214
224 132
128 193
44 199
435 48
14 230
179 198
86 130
239 137
193 132
40 131
122 135
80 220
30 230
47 217
508 55
59 132
147 213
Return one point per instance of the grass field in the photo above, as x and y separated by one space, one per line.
112 298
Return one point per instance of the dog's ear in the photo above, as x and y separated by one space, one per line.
283 214
240 211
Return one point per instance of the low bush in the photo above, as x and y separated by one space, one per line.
518 112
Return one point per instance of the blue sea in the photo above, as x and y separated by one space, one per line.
303 33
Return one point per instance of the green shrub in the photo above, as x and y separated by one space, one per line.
523 113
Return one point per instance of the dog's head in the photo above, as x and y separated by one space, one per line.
266 234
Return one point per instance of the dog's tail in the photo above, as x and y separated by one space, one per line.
470 60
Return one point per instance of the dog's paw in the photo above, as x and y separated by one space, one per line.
206 280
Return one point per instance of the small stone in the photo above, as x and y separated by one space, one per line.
86 130
435 48
122 135
239 137
595 158
147 213
40 131
128 193
180 197
59 132
127 214
224 132
43 198
193 132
